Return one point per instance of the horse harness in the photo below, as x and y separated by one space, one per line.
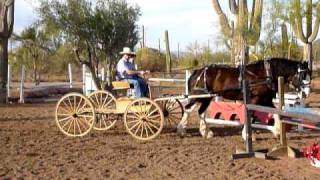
268 82
204 74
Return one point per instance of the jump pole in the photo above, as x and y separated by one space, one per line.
248 152
282 149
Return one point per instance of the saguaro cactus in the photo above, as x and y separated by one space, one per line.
284 40
6 27
247 32
311 32
168 54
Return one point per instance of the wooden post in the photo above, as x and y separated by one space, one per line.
159 47
283 138
186 82
143 38
247 125
282 149
168 54
248 153
8 82
70 74
83 78
23 72
178 51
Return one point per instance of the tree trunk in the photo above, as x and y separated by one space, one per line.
307 55
3 70
95 78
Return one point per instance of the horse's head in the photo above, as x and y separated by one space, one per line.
302 79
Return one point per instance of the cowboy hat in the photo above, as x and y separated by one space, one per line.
127 50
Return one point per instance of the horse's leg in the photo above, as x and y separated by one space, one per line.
204 130
181 128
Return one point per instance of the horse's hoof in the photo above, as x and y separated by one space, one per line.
254 137
181 132
209 134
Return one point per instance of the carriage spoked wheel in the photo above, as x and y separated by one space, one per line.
75 115
104 103
172 111
143 119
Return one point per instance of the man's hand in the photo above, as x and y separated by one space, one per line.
144 72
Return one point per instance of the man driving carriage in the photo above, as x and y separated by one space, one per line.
126 71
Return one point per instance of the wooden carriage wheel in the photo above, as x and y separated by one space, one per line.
75 115
104 103
143 119
172 111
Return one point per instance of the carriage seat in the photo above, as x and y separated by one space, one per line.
121 85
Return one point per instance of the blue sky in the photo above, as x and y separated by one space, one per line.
186 20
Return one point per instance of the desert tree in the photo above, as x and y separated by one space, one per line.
98 31
38 46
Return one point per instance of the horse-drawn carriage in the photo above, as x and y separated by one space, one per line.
144 118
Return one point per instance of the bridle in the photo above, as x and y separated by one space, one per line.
301 76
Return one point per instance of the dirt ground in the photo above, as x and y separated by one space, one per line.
31 146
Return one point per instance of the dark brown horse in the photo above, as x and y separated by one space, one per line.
224 81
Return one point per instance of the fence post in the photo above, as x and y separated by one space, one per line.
283 138
102 74
70 74
23 71
8 82
83 78
283 148
186 82
247 125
